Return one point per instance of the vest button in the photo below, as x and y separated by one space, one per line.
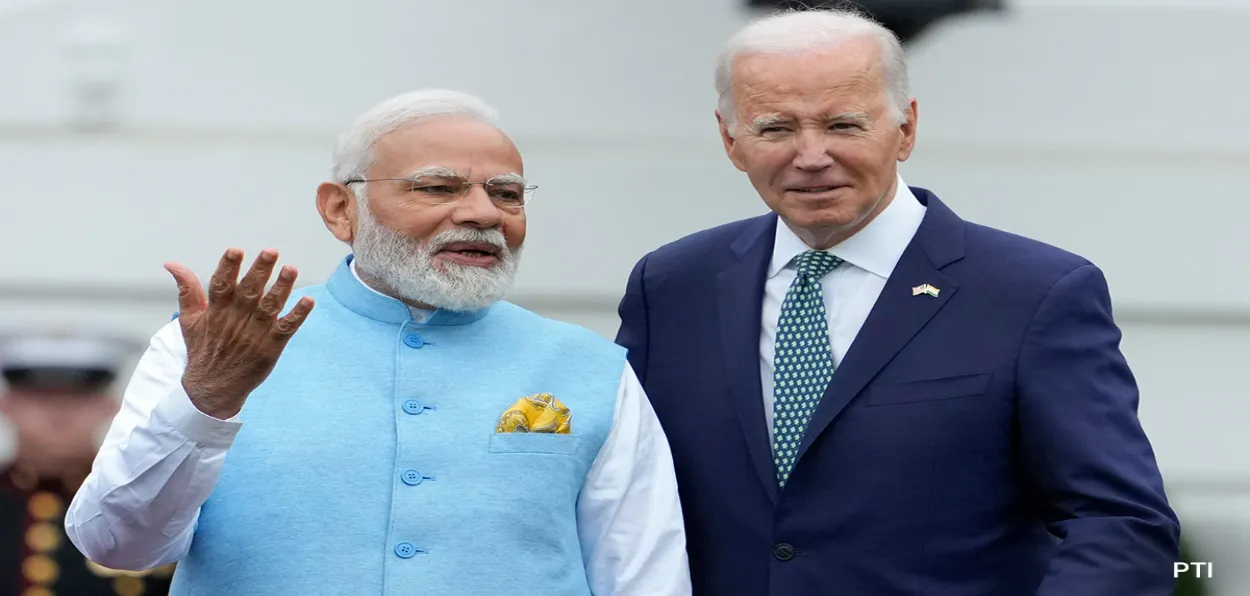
405 550
413 340
413 406
783 552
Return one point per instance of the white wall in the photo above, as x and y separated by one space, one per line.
1115 129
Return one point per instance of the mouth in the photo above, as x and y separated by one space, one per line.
472 254
814 190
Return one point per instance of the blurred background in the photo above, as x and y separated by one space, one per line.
136 132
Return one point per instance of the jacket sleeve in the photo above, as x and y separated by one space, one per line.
1085 454
632 334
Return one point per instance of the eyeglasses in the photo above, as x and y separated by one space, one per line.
505 192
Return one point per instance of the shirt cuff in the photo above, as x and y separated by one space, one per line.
182 415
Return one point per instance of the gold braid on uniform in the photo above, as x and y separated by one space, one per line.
44 538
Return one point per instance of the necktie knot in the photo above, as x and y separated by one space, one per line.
816 263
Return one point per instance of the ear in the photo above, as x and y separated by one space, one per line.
337 205
909 131
729 142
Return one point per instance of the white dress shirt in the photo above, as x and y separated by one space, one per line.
162 457
850 290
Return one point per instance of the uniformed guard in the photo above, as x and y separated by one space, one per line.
56 400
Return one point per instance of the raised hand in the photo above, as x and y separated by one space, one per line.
234 335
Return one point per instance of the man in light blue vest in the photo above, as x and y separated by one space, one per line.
417 434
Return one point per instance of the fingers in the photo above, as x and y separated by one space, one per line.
253 284
250 313
276 298
191 297
285 327
222 285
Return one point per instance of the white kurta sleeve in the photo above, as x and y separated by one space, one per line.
159 462
629 516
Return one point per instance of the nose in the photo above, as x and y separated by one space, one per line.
811 152
476 209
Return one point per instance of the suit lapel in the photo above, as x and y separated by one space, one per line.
740 288
898 314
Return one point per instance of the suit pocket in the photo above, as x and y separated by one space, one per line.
928 390
549 443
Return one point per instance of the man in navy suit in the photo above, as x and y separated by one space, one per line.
867 395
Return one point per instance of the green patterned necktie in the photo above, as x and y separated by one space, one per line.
803 360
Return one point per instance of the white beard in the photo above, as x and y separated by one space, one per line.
406 266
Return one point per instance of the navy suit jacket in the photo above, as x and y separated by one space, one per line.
984 442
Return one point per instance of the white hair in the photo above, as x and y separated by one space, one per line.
354 153
798 31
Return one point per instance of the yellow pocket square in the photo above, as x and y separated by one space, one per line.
538 413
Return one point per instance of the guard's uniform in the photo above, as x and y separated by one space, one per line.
36 559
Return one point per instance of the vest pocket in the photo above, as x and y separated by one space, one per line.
549 443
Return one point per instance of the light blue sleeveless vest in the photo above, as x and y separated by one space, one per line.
368 462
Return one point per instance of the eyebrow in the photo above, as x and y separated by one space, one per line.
859 117
510 178
434 171
766 120
446 172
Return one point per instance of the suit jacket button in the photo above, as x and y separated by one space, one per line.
783 552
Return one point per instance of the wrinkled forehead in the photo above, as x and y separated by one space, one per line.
460 146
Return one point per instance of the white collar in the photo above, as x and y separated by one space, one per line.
876 248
